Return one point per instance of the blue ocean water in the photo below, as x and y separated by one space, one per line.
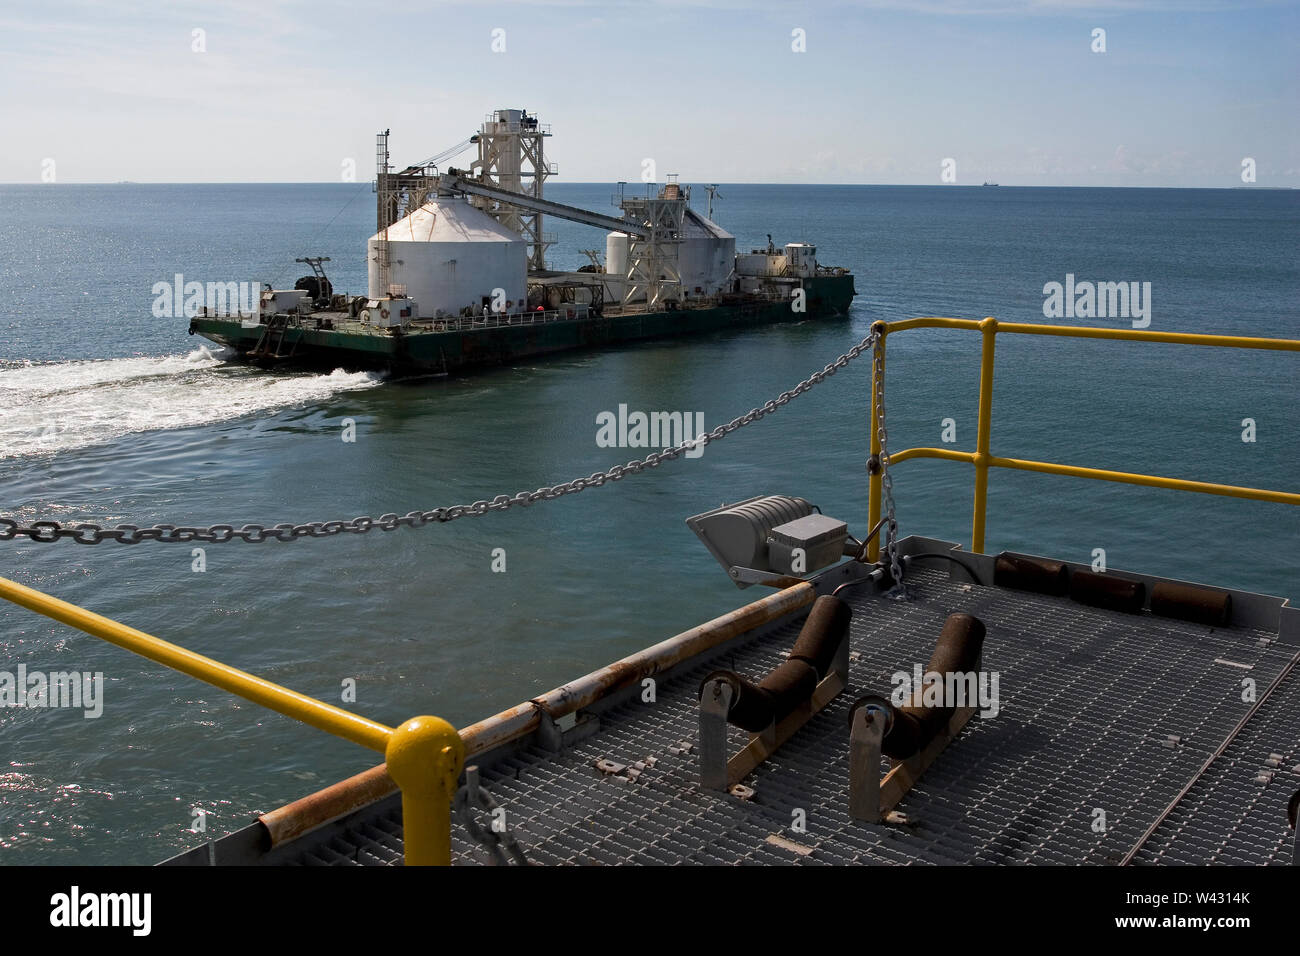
109 414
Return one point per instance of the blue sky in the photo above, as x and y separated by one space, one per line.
885 92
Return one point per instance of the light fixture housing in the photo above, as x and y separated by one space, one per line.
768 537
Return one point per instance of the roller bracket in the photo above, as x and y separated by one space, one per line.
715 704
872 798
867 730
872 719
720 772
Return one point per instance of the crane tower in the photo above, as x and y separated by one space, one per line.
511 156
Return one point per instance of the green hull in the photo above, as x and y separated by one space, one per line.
441 352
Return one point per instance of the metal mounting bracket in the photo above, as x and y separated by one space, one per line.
717 772
555 734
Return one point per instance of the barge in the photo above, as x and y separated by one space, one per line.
457 272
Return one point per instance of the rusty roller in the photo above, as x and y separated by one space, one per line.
910 728
1107 591
1030 574
751 707
789 686
822 633
755 706
1189 603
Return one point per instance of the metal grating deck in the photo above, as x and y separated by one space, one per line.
1089 701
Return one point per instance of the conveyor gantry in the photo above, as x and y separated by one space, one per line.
453 182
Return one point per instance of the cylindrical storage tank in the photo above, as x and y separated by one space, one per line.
707 256
616 244
449 255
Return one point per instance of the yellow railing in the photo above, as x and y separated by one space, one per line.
424 755
983 459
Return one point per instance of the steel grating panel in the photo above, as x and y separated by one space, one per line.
1229 814
1099 711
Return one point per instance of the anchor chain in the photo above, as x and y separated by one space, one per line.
899 589
51 531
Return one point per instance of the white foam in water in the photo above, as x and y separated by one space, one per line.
58 406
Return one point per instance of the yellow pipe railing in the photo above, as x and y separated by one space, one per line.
983 459
989 329
424 755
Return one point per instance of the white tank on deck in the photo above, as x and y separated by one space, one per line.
707 259
448 255
706 255
616 254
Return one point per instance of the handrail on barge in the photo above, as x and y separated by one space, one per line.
983 459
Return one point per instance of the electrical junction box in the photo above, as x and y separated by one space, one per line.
819 537
390 312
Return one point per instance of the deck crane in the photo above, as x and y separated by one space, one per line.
445 155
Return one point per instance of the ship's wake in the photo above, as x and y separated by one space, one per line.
58 406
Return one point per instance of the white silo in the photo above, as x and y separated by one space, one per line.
447 255
616 254
707 257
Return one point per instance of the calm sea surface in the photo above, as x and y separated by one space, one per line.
108 414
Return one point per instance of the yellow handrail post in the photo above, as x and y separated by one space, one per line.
873 482
425 756
989 329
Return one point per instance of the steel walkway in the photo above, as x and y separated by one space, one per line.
1099 711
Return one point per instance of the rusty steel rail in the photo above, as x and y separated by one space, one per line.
295 819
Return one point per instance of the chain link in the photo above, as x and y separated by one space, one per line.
890 531
50 531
